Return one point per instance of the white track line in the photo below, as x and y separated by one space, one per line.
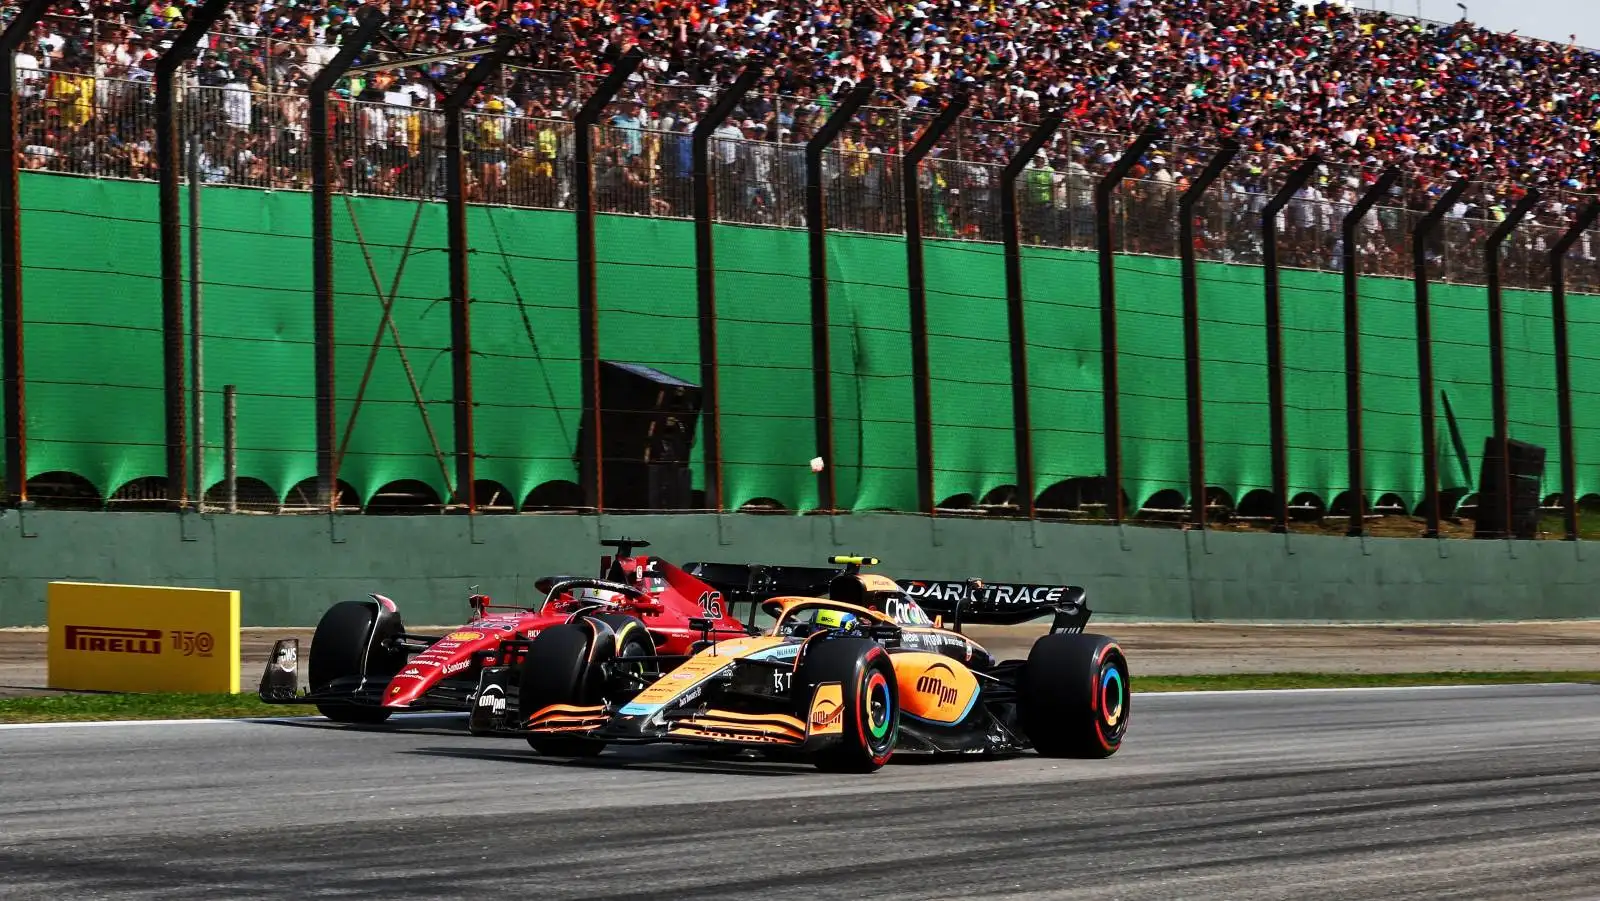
405 717
1220 692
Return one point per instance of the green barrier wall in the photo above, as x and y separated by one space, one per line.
92 331
289 569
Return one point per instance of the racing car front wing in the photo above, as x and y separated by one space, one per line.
283 682
493 713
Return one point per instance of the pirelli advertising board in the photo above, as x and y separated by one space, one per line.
140 638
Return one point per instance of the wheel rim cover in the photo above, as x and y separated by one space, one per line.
879 706
1112 697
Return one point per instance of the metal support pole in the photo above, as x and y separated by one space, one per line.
1279 437
1110 386
1352 349
1191 325
1011 232
821 350
591 467
917 291
169 165
322 255
197 383
230 446
13 376
1419 274
705 276
1558 317
460 287
1501 430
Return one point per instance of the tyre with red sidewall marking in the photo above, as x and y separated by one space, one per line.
871 701
1074 696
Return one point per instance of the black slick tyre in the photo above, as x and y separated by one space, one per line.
871 701
632 638
557 670
339 649
1074 696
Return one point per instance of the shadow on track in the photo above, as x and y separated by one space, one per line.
622 759
415 724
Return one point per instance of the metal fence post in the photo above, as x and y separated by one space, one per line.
592 464
1278 430
1191 325
1110 386
1558 318
322 255
460 281
1011 232
1355 438
197 364
917 290
13 376
230 446
816 234
1501 429
169 170
1419 274
705 276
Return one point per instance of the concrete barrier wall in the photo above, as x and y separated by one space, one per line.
290 568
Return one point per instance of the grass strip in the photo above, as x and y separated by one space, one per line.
88 707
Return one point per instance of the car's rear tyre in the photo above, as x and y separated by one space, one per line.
871 701
1074 696
339 650
558 670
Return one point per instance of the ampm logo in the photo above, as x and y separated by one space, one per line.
113 639
930 684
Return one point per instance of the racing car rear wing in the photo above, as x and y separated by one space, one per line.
975 602
970 602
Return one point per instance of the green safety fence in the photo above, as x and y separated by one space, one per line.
94 356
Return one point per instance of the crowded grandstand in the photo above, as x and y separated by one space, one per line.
1362 90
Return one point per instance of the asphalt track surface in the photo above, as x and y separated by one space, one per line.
1443 793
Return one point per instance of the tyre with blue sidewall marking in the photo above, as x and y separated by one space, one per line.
871 700
1074 696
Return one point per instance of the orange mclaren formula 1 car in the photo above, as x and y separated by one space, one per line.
848 680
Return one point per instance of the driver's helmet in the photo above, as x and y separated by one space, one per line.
588 595
834 620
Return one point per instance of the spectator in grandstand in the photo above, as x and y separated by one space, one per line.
1364 90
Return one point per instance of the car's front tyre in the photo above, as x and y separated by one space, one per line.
344 646
870 701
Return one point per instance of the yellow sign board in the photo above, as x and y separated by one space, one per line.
140 638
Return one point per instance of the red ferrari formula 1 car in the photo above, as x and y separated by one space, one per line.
364 665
